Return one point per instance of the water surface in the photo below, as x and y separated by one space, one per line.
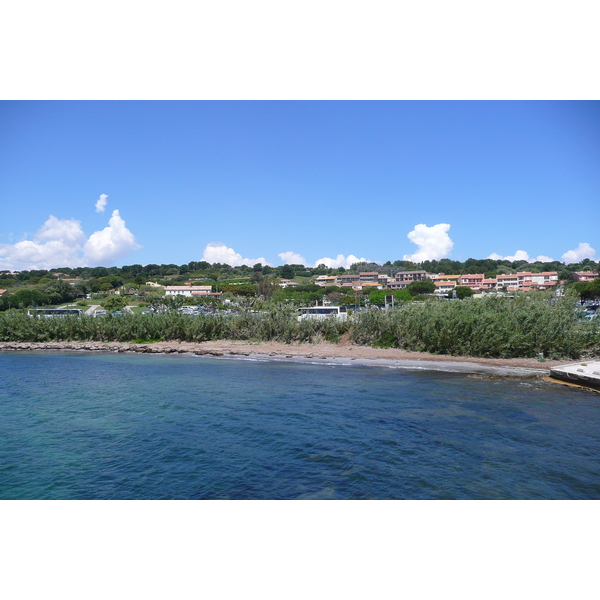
77 425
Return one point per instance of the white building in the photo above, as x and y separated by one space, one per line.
444 287
188 290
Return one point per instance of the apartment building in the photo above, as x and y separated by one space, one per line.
343 279
474 281
398 285
584 276
527 279
508 281
444 287
411 276
368 277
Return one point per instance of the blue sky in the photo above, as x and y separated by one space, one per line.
320 180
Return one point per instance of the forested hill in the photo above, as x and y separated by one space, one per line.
171 273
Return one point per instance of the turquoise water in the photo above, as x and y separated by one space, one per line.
130 426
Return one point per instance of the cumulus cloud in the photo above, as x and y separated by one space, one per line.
584 250
110 243
434 242
101 203
521 255
216 252
57 243
62 243
67 231
518 255
340 261
292 258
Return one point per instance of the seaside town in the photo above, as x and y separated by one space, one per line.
444 284
362 281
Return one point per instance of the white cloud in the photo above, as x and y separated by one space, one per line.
584 250
56 244
433 242
216 252
340 261
101 203
64 230
110 243
521 255
518 255
292 258
62 243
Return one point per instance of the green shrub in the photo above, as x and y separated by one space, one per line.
485 327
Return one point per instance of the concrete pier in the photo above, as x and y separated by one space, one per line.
585 373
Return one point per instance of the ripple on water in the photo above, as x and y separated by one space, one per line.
76 425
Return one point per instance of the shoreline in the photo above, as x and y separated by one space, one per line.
341 353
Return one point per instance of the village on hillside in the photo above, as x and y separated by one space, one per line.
444 284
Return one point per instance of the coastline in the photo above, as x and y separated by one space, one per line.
342 353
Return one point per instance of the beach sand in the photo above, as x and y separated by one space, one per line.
344 352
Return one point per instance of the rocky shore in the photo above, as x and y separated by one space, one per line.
344 352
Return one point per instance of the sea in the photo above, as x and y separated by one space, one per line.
84 425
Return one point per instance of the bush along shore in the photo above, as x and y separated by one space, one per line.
488 328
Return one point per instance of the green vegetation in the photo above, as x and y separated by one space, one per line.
588 290
462 291
416 288
523 326
47 287
114 303
279 324
486 327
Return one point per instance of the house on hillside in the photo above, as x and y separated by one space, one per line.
584 276
542 280
326 280
509 281
472 280
411 276
351 279
286 283
444 287
189 290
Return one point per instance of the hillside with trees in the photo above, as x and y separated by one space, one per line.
65 284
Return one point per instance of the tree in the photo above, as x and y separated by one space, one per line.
59 292
114 303
462 291
244 289
286 272
587 290
266 288
27 297
421 287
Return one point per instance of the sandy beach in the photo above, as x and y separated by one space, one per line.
343 352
